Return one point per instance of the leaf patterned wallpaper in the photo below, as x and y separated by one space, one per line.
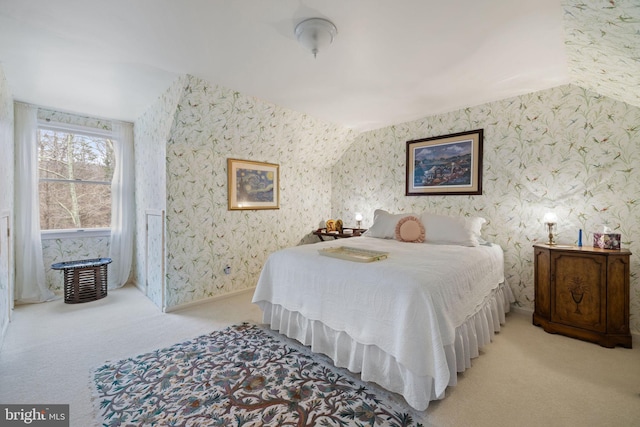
209 125
566 149
151 133
603 46
69 249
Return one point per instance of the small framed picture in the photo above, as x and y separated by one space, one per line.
252 185
445 165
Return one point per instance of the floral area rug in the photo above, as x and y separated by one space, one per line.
240 376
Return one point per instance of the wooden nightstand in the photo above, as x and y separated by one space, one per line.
355 232
583 292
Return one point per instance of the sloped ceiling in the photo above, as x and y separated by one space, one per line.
391 61
603 47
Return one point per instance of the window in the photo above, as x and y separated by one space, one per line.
76 167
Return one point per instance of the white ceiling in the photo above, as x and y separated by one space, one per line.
392 61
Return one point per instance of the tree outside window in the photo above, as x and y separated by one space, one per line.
75 169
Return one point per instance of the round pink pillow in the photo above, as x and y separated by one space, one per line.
410 229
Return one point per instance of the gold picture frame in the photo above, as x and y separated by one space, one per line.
253 185
445 165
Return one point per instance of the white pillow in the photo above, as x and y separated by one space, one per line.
384 224
451 230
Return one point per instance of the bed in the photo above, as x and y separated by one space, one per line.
408 321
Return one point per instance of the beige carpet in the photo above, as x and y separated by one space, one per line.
526 377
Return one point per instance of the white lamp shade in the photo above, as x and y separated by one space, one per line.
315 34
550 218
358 216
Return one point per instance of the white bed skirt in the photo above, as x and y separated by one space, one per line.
381 368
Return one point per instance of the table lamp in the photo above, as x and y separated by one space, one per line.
358 220
550 220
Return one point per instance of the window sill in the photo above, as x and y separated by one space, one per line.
75 234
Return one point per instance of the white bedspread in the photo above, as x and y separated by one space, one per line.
408 305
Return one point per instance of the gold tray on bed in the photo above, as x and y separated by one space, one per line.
354 254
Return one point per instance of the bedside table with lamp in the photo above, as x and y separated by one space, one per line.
341 232
582 291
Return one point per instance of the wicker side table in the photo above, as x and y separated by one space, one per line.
84 280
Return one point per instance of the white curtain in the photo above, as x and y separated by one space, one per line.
30 284
122 206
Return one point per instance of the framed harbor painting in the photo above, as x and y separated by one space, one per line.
252 185
445 165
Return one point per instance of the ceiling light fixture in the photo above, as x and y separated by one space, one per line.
315 33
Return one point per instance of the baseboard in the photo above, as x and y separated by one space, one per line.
635 336
207 300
